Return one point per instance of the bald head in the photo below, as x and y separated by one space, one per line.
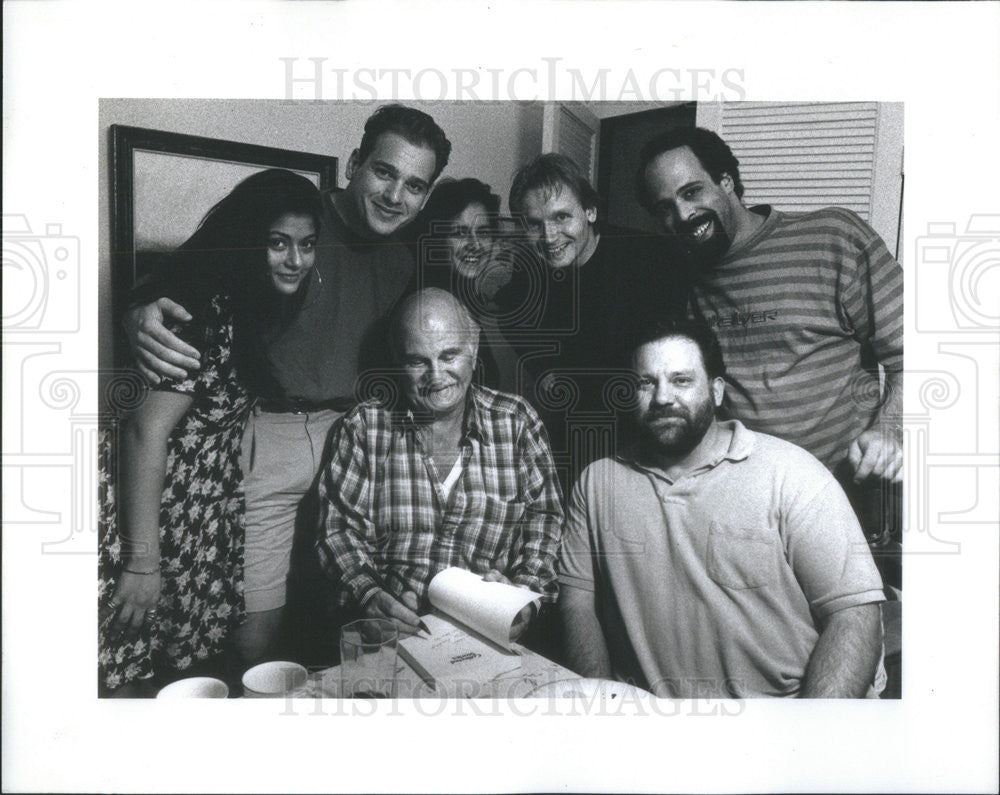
436 342
435 310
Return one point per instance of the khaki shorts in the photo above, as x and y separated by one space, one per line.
280 458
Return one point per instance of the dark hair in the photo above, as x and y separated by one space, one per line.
449 199
414 125
241 219
226 255
551 172
712 152
436 222
698 331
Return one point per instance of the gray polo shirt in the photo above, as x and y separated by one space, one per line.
713 585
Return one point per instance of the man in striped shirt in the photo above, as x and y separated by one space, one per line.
804 304
453 475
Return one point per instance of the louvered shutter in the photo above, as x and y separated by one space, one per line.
577 141
572 131
804 156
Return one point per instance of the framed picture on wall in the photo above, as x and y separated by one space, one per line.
163 183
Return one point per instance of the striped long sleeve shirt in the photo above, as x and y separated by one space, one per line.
385 516
803 310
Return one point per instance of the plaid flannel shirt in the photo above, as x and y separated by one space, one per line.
384 515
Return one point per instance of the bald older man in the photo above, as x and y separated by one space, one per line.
453 474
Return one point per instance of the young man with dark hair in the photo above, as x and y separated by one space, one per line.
710 561
414 125
320 359
388 178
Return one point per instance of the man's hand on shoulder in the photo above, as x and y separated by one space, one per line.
876 454
157 351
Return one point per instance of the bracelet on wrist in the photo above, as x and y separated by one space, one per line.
133 571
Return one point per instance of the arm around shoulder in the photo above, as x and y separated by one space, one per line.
158 352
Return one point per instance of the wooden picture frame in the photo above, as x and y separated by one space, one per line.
163 183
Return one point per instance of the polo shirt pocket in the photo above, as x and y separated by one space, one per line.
742 558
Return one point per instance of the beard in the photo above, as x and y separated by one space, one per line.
676 438
705 252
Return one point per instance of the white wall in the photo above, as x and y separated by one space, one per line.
490 140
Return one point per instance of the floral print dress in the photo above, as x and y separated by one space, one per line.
201 521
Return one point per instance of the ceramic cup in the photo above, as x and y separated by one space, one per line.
273 679
195 687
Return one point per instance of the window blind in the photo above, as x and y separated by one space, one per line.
802 156
576 140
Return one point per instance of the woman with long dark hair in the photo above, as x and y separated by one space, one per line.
172 508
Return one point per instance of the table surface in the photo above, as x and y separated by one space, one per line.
529 671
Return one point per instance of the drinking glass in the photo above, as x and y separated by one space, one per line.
368 659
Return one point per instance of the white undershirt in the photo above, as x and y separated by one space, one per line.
452 479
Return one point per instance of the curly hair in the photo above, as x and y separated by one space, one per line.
712 152
451 196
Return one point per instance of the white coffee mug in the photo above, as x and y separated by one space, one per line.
195 687
273 679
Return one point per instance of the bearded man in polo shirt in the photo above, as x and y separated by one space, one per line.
711 560
451 474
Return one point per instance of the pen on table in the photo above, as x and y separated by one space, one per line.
381 584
